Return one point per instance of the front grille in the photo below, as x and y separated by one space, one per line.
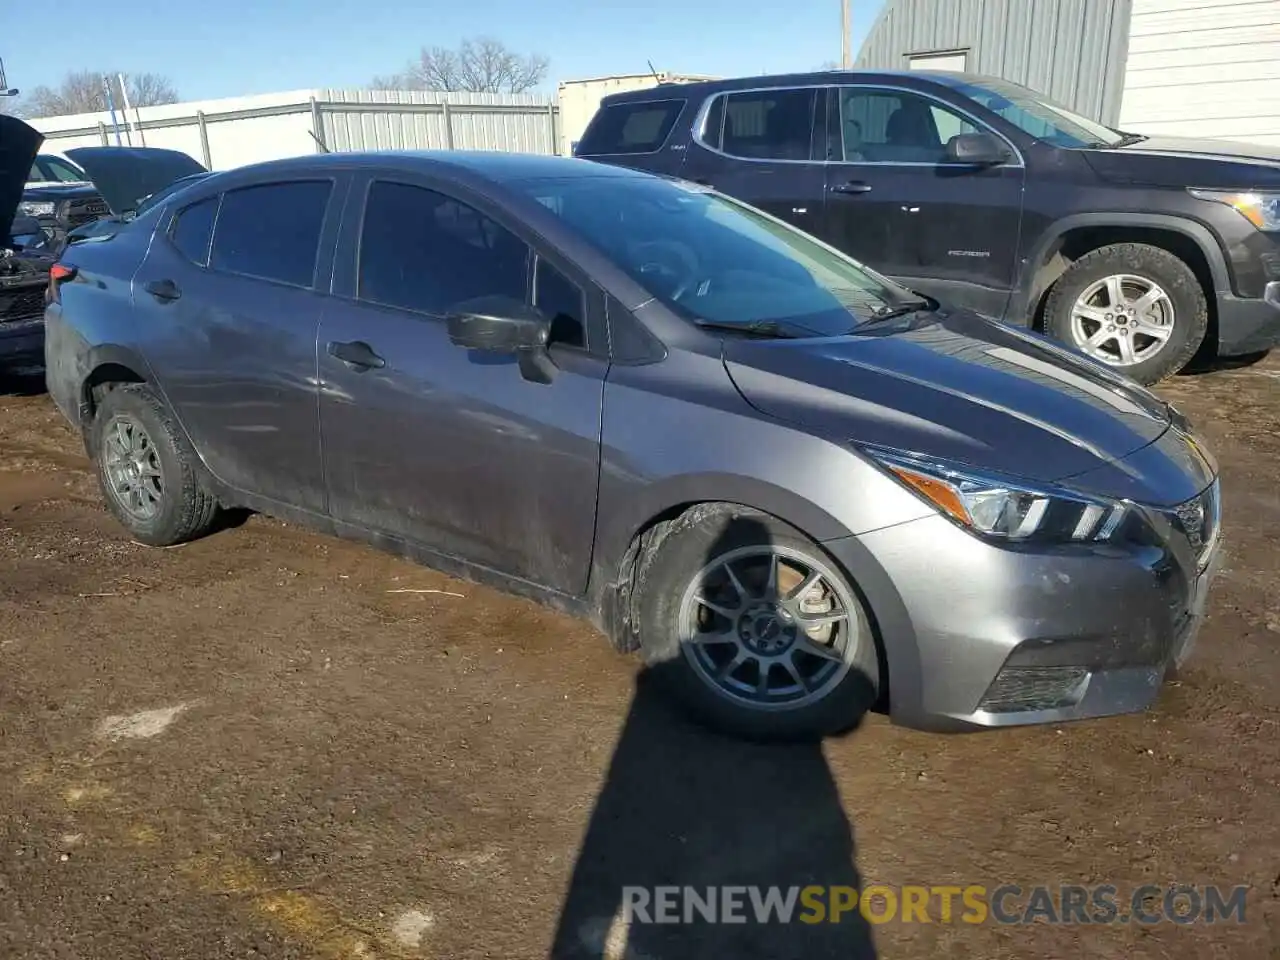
1022 689
1200 521
22 305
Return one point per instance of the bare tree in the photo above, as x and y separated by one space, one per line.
82 91
478 65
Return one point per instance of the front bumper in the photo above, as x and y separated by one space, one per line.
1246 325
979 636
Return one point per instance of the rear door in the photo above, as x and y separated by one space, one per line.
637 134
232 289
452 448
894 202
764 147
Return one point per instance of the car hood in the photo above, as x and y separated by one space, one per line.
126 175
19 145
956 386
1189 162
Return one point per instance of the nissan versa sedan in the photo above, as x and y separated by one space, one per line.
798 488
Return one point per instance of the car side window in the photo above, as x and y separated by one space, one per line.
271 231
630 128
423 251
893 126
192 230
560 299
763 124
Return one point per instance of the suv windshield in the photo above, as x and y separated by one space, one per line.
716 261
1038 117
50 169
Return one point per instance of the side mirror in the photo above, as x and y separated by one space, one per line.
499 324
978 149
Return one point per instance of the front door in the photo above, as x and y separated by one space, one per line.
449 448
894 202
231 314
761 146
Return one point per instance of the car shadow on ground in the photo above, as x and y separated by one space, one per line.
684 807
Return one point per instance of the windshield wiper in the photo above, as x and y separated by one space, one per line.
1129 139
901 309
758 328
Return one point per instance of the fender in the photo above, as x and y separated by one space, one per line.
1020 304
97 357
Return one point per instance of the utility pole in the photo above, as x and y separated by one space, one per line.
846 53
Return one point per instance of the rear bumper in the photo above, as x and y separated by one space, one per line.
978 636
1249 325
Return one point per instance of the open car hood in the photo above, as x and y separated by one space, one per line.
19 144
127 175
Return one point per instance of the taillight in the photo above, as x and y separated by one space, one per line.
59 274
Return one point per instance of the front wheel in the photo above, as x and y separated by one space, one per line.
754 628
1135 307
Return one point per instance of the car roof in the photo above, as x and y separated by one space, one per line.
492 165
816 78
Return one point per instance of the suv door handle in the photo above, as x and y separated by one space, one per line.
162 289
357 355
853 186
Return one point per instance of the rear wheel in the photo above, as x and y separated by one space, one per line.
1135 307
147 472
754 628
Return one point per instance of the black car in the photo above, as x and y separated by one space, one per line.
24 272
983 194
113 184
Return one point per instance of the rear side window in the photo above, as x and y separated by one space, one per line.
763 124
423 251
630 128
272 231
192 229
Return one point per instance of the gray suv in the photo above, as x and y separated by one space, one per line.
799 487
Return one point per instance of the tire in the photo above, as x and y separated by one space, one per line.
672 574
1183 310
179 508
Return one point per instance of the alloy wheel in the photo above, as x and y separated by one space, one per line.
1122 320
769 627
132 466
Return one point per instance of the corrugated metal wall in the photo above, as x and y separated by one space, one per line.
229 133
1204 68
1073 51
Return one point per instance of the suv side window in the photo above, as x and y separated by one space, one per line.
630 128
893 126
271 231
192 229
423 251
763 124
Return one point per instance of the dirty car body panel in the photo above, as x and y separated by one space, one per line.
340 401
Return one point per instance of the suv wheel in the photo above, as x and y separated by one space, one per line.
754 628
147 474
1135 307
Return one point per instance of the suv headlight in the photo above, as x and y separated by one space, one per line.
33 208
1260 209
1002 508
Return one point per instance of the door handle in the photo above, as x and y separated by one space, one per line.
357 355
162 289
853 186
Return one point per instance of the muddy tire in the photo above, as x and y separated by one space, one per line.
1137 308
147 472
781 655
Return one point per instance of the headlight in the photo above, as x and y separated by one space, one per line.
1260 209
34 209
1000 508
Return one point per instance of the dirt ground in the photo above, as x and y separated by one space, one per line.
272 744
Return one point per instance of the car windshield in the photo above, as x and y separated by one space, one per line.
164 193
48 169
716 261
1038 117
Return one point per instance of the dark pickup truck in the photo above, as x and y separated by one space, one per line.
1139 251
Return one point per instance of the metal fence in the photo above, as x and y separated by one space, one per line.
223 134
